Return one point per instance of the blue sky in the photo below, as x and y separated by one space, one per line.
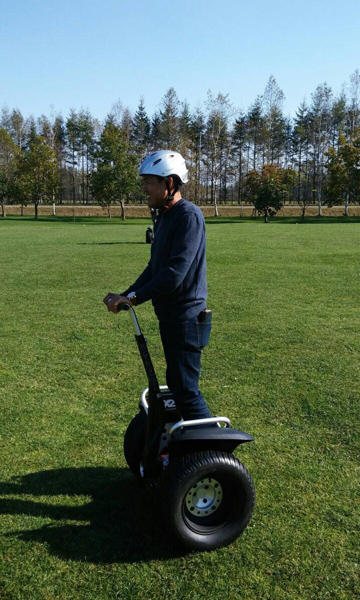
89 54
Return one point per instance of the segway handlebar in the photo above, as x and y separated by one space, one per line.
123 306
133 317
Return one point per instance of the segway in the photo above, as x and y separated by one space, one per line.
205 494
149 236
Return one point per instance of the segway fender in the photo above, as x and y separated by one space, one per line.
208 438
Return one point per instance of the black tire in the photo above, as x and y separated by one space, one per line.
207 499
134 442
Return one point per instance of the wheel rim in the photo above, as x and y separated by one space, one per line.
204 498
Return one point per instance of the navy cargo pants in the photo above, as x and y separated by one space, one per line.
182 344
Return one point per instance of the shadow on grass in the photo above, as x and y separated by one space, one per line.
78 220
119 524
107 243
315 220
146 221
282 220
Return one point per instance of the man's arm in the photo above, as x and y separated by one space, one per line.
112 300
141 281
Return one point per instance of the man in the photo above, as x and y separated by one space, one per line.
175 279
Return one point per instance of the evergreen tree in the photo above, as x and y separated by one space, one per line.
5 121
45 129
338 118
217 141
72 149
300 142
287 147
126 123
274 121
155 135
354 104
240 144
197 131
169 120
37 173
59 134
17 127
86 151
31 132
8 154
115 179
320 127
140 134
184 128
255 130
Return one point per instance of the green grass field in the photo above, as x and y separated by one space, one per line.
283 364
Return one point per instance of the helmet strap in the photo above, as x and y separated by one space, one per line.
170 195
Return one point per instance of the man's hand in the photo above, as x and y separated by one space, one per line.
112 301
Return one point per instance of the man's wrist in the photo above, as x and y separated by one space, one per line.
132 298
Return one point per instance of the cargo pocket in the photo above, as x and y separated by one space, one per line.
203 325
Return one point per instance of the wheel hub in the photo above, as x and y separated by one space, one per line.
204 498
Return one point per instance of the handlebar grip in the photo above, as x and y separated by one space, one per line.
123 307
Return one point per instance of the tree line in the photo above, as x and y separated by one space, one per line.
259 156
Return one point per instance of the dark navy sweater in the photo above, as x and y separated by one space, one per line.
175 278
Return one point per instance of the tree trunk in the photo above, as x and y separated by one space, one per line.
3 210
108 210
212 182
83 175
22 210
60 182
207 185
87 175
299 176
346 214
36 210
216 212
303 213
53 210
319 204
240 178
196 187
73 175
122 210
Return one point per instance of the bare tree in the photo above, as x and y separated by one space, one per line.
219 113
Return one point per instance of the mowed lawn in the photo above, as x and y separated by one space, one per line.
283 364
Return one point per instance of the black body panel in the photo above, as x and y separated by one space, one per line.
213 438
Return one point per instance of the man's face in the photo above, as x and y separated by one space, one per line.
155 189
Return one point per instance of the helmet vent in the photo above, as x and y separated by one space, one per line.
156 162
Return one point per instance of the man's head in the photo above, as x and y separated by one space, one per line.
163 173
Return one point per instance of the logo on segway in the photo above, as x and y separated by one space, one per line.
169 404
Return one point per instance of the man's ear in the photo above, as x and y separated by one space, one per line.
171 183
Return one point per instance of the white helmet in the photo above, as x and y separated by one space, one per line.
164 163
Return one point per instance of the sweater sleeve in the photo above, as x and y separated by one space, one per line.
141 281
186 242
